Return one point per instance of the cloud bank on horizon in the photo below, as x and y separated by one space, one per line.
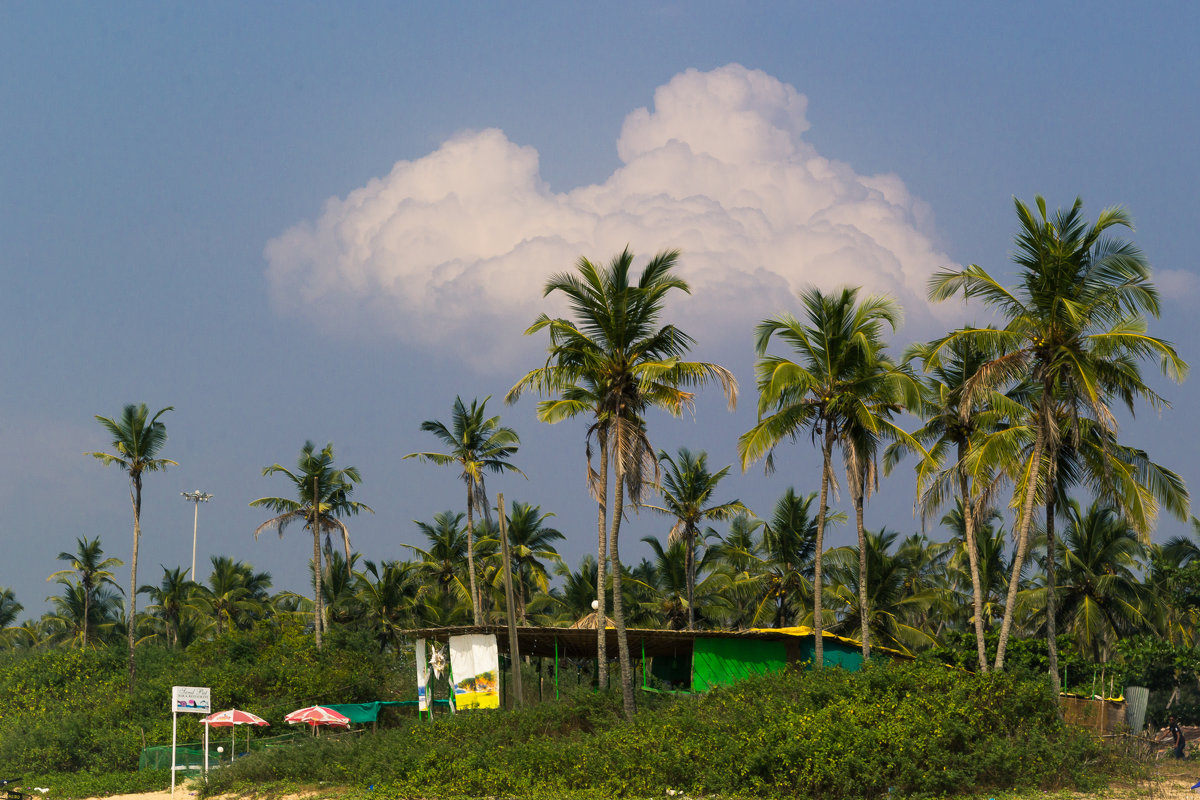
448 249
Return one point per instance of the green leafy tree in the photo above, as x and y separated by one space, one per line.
687 490
137 439
478 444
322 498
92 571
826 391
613 362
1075 326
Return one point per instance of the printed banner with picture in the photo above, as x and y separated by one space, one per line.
475 662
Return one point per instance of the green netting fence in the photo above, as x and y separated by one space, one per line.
189 756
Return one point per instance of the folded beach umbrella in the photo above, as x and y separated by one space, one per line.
227 719
318 715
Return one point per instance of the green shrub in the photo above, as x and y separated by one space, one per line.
904 729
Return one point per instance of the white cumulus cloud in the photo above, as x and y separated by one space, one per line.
451 250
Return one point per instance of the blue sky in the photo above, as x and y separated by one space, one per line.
307 221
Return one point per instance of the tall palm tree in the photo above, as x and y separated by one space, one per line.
1076 327
323 497
137 439
687 489
478 444
825 392
613 362
955 419
883 391
92 570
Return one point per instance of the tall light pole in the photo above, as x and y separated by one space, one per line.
197 497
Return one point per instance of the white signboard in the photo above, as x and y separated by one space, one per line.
191 700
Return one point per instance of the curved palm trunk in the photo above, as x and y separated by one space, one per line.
1051 598
601 572
818 564
618 602
135 497
1010 603
856 488
964 490
475 612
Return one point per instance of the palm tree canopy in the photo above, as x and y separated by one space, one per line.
614 361
137 439
838 357
334 487
477 443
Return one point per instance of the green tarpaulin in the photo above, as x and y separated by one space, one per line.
720 662
362 712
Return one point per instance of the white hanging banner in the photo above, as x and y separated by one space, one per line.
422 678
475 662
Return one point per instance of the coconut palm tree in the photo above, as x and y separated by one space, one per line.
896 602
388 593
442 560
1075 326
73 612
235 594
955 419
323 497
477 444
1101 595
137 439
740 554
687 489
529 542
92 570
9 607
826 392
613 362
883 391
173 599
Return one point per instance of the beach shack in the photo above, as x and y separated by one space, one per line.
667 660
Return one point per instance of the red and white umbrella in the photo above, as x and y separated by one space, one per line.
227 719
318 715
224 719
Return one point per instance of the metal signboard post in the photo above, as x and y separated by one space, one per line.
188 700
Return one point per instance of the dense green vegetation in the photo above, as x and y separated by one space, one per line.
910 729
1046 566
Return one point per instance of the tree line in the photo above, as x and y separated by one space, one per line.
1016 425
